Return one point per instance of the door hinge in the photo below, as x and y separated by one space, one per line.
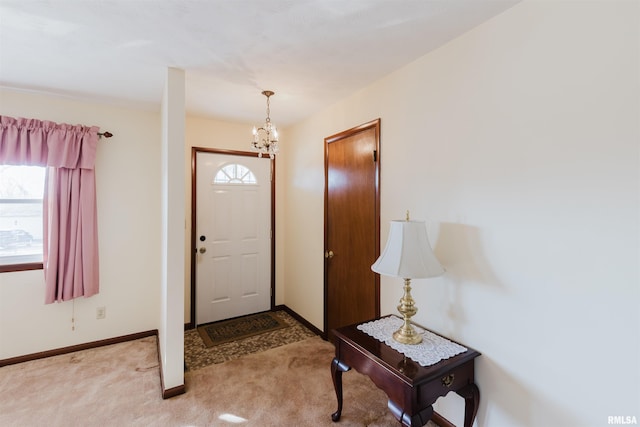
375 155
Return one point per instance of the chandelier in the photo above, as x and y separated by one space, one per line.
265 138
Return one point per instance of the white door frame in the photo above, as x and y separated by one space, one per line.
194 242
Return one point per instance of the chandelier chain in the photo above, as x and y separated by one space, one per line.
268 109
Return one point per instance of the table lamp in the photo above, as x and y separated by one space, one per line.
408 255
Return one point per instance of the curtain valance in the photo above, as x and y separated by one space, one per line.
45 143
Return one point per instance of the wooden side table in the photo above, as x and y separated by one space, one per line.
412 389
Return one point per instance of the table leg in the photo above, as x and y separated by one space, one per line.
418 419
337 368
471 396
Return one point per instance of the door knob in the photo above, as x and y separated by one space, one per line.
328 254
203 250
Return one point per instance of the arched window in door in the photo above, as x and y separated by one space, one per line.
234 173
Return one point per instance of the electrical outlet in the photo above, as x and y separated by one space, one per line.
101 312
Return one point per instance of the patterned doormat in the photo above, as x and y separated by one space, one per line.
197 355
231 330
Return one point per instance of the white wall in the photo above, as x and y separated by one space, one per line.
171 331
211 133
519 142
128 187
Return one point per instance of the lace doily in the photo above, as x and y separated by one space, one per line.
430 351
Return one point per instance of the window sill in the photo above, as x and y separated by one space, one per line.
21 267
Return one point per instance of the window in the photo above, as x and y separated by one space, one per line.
235 174
21 192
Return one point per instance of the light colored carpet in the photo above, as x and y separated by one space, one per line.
119 385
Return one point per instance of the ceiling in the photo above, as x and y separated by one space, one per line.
311 53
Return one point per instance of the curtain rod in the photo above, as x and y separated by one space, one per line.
105 134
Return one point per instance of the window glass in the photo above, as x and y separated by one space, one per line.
21 192
235 174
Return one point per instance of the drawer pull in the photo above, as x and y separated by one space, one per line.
448 380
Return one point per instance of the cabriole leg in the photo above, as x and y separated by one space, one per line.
337 368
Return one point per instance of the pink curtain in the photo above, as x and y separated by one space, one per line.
70 212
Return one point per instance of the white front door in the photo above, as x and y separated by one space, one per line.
233 236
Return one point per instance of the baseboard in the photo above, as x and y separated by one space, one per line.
299 318
168 393
78 347
174 391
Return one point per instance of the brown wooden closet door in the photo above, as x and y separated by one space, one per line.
352 226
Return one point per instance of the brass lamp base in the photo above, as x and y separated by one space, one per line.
407 334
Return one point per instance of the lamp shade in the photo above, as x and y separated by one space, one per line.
408 253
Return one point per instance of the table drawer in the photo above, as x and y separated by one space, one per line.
453 380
